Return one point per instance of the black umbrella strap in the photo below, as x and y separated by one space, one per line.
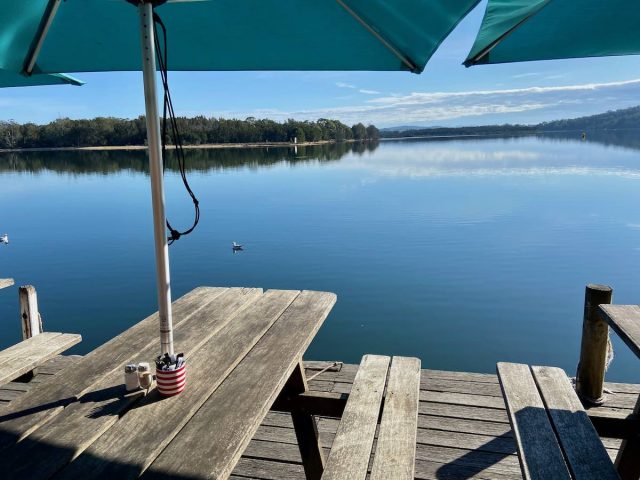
170 127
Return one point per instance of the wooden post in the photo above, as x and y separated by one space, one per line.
593 350
305 427
29 315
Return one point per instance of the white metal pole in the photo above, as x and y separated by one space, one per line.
155 168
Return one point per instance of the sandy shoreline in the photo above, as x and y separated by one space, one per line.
144 147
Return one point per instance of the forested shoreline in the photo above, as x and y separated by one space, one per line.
116 132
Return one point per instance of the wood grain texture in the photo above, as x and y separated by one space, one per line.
18 349
29 313
351 449
6 282
305 426
452 445
539 452
625 320
232 414
593 346
585 454
82 422
27 413
396 449
28 354
129 446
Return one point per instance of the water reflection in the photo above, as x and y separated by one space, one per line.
200 160
534 155
602 153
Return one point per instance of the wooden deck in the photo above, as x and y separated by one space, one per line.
463 428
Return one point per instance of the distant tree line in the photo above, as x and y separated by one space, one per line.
108 131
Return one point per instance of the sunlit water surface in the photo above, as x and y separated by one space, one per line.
460 252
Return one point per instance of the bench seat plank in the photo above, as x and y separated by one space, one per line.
538 449
19 348
396 448
28 354
625 320
351 450
583 449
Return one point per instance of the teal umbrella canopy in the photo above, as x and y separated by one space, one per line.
12 79
526 30
50 36
104 35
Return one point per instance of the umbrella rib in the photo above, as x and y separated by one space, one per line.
403 58
485 51
38 41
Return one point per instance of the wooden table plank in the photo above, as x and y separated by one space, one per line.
232 414
351 449
82 422
6 282
395 453
129 447
32 352
625 320
25 414
582 447
540 454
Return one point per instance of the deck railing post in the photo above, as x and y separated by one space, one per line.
593 349
29 314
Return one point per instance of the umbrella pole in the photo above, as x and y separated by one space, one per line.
156 170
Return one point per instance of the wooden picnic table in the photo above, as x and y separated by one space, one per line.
244 350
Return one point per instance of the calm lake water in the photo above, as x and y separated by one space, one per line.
460 252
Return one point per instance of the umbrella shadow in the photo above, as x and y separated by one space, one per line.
87 462
116 393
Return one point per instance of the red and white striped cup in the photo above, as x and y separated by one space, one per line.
171 382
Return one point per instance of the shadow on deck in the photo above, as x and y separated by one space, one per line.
463 430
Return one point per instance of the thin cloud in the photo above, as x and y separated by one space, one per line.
344 85
471 107
526 75
369 92
438 97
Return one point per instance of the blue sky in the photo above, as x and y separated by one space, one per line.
446 93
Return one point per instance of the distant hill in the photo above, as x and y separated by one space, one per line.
624 119
400 128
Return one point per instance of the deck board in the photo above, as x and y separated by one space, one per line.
457 438
481 435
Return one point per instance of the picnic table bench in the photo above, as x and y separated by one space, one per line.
28 354
37 347
395 451
553 433
556 437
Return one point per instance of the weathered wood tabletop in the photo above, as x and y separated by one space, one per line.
243 346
